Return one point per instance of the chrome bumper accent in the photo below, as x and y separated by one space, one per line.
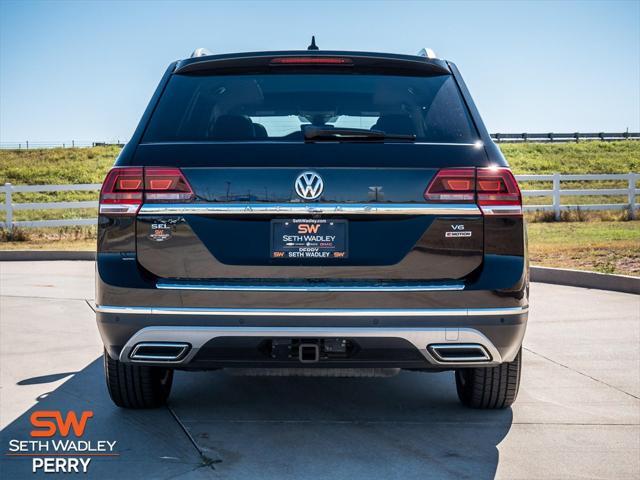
437 351
135 355
420 338
229 287
308 208
314 312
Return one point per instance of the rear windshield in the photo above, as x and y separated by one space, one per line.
277 107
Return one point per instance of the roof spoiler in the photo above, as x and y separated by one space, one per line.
202 60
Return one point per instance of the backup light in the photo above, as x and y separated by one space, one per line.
124 188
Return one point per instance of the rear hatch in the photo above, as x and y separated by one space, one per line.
266 200
382 226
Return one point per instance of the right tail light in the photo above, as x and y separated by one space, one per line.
498 191
494 189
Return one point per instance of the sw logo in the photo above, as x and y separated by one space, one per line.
51 422
307 228
49 455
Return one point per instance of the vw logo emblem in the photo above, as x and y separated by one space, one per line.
309 185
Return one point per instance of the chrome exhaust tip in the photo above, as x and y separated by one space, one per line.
459 352
159 352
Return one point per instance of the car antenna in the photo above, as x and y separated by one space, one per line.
313 45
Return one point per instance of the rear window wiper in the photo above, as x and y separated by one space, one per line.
352 134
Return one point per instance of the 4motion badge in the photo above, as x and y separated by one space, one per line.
457 231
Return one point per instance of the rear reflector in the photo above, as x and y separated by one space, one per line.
124 188
311 61
494 189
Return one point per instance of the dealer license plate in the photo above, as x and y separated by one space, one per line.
309 238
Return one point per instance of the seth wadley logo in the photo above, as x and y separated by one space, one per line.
309 185
62 455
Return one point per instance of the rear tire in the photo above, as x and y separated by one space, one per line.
137 386
494 387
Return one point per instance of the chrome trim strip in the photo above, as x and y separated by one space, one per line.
420 338
314 312
222 287
284 142
308 208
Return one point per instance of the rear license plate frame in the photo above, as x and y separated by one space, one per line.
310 245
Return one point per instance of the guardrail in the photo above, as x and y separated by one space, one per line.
498 137
563 137
30 145
556 193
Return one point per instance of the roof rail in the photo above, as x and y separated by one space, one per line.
201 52
427 53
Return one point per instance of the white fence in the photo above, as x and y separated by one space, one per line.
9 207
556 193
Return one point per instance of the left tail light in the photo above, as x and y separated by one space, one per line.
166 185
125 188
121 192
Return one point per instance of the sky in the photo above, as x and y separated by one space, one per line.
85 70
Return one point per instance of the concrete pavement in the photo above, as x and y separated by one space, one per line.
577 415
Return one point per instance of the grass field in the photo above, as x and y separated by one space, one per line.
607 247
584 157
89 165
594 245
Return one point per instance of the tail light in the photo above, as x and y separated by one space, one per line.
121 192
125 188
494 189
498 191
166 184
453 185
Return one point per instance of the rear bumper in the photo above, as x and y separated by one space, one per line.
491 310
498 332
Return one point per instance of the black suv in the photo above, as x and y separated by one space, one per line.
311 212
